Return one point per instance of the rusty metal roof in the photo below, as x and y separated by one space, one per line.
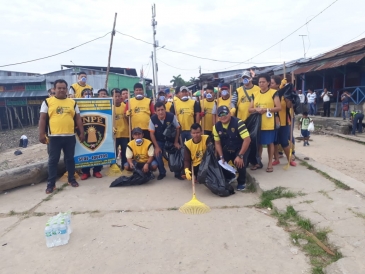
341 62
345 49
306 69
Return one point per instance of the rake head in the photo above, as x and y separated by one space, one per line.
194 206
287 166
114 170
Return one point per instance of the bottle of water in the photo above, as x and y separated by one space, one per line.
49 236
55 234
63 233
67 216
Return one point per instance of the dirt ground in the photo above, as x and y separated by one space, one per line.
343 155
10 138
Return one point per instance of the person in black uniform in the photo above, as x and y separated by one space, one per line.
232 141
158 124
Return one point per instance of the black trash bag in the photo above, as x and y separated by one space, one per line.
17 152
169 148
289 93
253 124
211 175
170 131
21 143
176 160
138 178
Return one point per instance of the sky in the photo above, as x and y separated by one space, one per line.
227 30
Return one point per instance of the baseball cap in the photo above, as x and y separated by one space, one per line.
246 73
184 88
225 85
223 109
137 130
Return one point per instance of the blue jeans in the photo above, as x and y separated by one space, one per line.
122 142
185 136
25 143
159 160
357 123
312 108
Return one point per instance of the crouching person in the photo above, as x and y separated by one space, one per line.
140 153
231 133
194 150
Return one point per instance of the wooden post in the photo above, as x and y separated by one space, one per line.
17 116
129 117
110 51
202 105
284 71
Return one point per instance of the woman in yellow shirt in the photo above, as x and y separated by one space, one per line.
266 102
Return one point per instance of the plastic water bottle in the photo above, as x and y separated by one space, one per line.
64 236
67 217
49 236
55 234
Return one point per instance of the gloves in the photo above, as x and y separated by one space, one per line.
114 130
202 114
47 140
233 111
128 113
283 83
188 174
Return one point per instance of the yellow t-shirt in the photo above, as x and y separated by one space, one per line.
168 106
140 153
266 100
61 113
197 150
184 111
283 113
121 122
222 102
208 117
141 113
78 89
243 103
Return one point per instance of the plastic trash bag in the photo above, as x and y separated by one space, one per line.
212 176
289 93
176 160
17 152
138 178
253 124
21 143
311 127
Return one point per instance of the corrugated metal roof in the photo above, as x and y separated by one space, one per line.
345 49
125 71
342 61
306 69
20 94
21 79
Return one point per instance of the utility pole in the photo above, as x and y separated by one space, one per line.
153 72
303 43
110 51
155 45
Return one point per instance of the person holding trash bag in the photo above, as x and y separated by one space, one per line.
140 153
159 123
194 150
232 142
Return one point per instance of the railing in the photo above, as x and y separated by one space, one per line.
357 95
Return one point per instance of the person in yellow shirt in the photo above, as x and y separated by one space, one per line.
187 112
232 142
194 150
103 93
283 132
121 129
266 102
140 153
163 98
225 98
240 101
209 110
61 113
140 108
77 88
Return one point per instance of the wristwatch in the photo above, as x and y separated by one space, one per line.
241 156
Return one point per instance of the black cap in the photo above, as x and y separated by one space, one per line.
225 85
222 109
137 130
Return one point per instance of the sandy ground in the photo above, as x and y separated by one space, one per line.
31 154
343 155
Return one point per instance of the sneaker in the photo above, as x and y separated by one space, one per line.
84 176
307 143
241 187
97 175
73 183
161 176
292 163
179 177
50 188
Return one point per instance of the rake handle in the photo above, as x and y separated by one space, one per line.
192 178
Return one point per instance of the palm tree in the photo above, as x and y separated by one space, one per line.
177 81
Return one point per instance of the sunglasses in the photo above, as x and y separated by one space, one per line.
222 114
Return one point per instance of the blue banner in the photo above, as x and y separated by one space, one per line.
98 147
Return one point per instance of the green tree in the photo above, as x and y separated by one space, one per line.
177 81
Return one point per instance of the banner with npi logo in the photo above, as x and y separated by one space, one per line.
98 147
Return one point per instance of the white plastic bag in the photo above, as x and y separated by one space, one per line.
311 127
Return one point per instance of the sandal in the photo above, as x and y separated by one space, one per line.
276 162
50 188
258 166
73 183
269 169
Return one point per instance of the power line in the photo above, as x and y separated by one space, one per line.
49 56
